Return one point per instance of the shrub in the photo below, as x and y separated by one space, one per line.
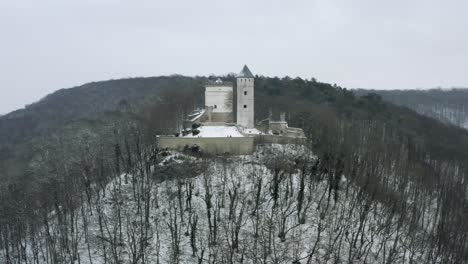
195 148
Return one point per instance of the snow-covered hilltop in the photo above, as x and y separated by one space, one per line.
279 205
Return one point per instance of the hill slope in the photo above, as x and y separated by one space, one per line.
274 206
448 106
398 163
93 106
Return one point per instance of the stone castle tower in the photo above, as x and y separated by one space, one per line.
245 98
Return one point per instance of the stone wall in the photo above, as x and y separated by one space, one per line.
227 145
279 128
222 117
216 117
275 139
219 97
215 145
295 132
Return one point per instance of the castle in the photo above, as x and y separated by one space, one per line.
219 99
214 131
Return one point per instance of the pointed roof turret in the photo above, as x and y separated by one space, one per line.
245 73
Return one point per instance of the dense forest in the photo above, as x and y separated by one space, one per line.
83 180
446 105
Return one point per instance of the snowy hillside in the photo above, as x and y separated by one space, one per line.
275 206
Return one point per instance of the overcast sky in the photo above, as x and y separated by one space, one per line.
46 45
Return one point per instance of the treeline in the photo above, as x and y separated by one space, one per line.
341 125
427 194
40 211
447 105
302 99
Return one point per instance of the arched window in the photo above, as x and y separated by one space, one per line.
215 106
245 106
245 92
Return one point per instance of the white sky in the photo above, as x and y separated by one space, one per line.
46 45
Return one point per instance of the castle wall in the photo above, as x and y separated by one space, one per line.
222 117
279 128
230 145
283 140
245 102
295 132
215 117
220 98
218 145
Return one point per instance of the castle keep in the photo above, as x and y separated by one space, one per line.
245 98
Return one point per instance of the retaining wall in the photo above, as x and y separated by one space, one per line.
212 145
275 139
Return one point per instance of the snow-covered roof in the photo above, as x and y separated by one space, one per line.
195 115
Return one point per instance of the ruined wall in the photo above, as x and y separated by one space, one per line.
295 132
279 128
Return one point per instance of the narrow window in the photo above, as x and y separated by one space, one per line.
245 106
245 92
215 106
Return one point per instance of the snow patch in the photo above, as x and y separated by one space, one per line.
217 131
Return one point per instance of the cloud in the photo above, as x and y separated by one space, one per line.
52 44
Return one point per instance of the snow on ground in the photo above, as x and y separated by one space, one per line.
196 114
217 131
251 131
465 125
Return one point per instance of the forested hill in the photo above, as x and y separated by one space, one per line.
86 101
446 105
65 150
91 107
